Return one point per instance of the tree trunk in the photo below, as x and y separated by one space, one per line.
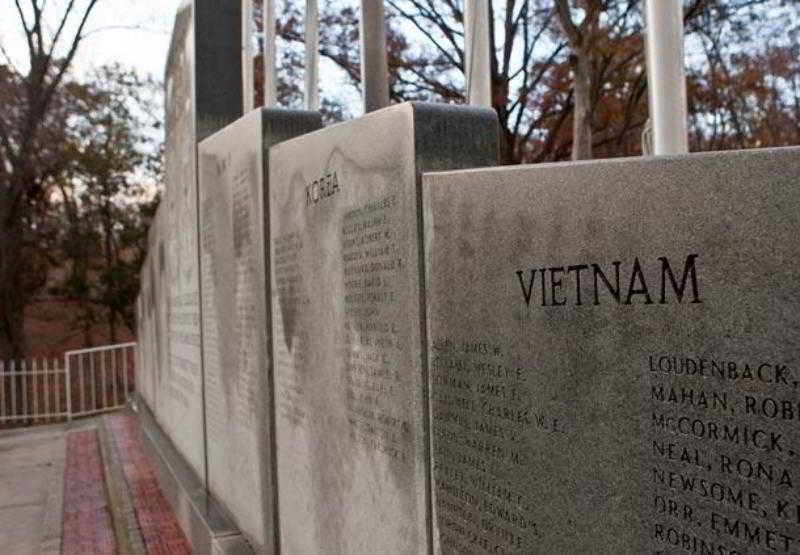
12 344
11 303
108 251
508 154
582 113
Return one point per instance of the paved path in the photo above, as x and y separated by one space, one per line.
31 490
82 488
87 524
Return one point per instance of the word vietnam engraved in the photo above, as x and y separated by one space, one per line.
613 356
348 332
235 322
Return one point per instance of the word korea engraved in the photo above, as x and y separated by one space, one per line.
350 382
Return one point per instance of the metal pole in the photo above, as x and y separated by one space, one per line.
270 77
125 371
374 67
114 358
312 55
81 383
247 55
666 78
24 375
477 48
35 396
2 389
93 380
56 388
104 378
68 381
46 391
13 377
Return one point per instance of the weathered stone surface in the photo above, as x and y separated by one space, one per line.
348 343
148 336
152 317
658 415
179 401
197 104
236 361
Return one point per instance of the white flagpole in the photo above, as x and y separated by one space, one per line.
477 53
666 77
374 67
270 77
312 55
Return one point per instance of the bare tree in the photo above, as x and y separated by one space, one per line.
568 76
29 146
584 63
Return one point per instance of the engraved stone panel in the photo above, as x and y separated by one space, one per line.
204 40
613 351
179 406
237 369
347 331
154 337
145 363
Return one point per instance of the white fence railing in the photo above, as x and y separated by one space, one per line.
82 383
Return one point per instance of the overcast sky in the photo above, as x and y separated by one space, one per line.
133 32
136 34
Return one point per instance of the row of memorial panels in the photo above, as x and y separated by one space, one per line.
588 357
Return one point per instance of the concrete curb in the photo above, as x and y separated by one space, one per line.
54 509
123 515
204 522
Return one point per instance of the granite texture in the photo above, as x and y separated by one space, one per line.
152 317
347 324
659 415
179 403
143 340
203 93
236 361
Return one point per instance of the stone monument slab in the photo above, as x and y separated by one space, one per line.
203 93
614 355
145 340
347 324
236 331
155 307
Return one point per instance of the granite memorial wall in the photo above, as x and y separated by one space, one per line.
613 353
235 323
354 358
148 306
179 405
196 105
610 352
345 253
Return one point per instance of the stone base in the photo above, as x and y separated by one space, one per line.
207 527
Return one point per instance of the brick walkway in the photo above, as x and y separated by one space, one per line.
87 518
159 527
54 498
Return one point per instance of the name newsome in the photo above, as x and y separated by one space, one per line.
617 283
